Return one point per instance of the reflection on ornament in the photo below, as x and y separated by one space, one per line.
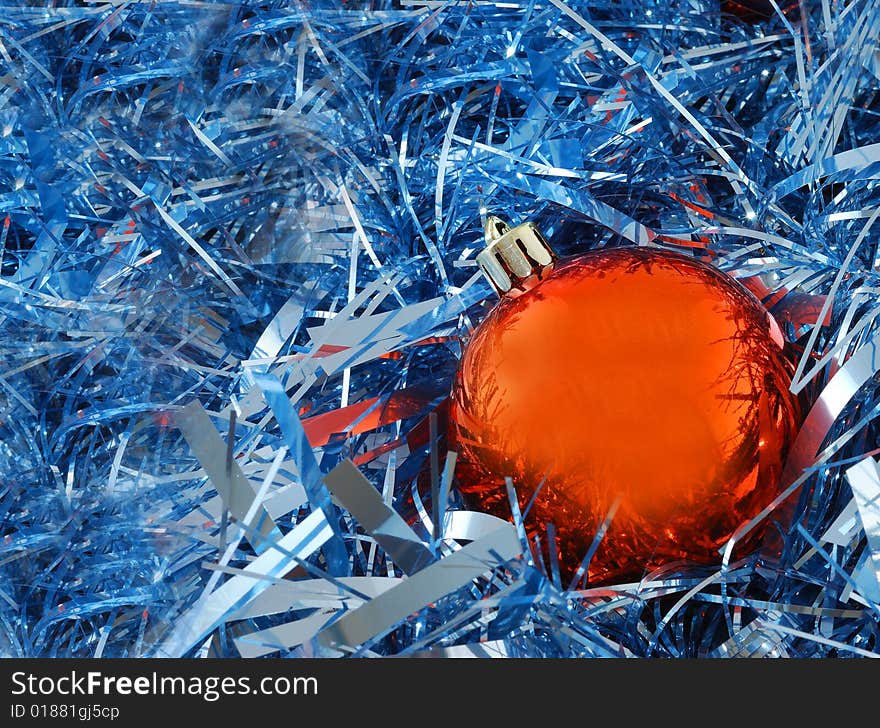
633 378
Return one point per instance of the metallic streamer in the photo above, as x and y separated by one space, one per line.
358 496
428 585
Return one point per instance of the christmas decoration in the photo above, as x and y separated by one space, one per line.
237 268
628 382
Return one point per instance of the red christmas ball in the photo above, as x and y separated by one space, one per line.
630 377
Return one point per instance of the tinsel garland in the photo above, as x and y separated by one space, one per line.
238 271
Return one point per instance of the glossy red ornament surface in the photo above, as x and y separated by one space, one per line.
632 375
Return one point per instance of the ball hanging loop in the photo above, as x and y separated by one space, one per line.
514 258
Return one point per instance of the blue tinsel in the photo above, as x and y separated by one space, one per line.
196 195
